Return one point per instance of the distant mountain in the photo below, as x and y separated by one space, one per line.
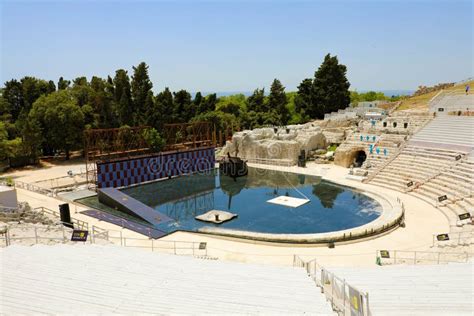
389 93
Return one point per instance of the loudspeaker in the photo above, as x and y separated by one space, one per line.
65 215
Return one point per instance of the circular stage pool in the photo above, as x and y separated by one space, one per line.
327 206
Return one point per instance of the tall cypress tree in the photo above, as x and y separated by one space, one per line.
277 101
63 84
330 91
141 85
123 97
256 102
303 96
182 104
164 102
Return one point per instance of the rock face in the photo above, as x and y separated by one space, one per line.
344 156
276 143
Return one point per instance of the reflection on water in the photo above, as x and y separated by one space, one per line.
327 193
331 207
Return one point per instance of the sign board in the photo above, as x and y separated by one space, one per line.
79 235
409 184
442 198
202 245
458 157
442 237
355 301
384 254
464 216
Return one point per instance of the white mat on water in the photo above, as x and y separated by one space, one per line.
288 201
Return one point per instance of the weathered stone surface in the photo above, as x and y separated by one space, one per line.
344 156
279 143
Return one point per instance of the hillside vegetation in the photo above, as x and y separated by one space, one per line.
420 102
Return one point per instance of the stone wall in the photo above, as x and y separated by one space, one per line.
276 143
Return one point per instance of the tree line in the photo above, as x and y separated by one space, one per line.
40 117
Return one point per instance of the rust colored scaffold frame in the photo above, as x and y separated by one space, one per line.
117 143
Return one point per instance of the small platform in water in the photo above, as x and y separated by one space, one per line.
288 201
216 216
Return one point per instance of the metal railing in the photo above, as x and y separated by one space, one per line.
34 188
462 238
77 223
38 235
345 299
167 246
114 236
390 257
62 234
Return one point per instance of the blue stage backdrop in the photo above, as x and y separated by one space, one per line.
128 171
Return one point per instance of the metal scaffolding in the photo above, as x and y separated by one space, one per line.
126 142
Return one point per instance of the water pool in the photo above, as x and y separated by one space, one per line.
331 207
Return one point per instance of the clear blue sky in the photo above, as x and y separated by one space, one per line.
240 45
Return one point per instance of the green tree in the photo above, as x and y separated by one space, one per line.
154 140
277 100
330 91
13 94
141 85
31 136
101 100
51 86
153 115
208 103
197 101
123 97
81 90
32 89
62 120
256 102
303 96
63 84
182 104
165 106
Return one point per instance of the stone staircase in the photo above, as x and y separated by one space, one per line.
444 289
99 280
447 132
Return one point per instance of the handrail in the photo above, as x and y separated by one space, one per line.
34 188
169 246
419 257
343 296
79 224
455 239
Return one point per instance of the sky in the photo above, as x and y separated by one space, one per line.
240 45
